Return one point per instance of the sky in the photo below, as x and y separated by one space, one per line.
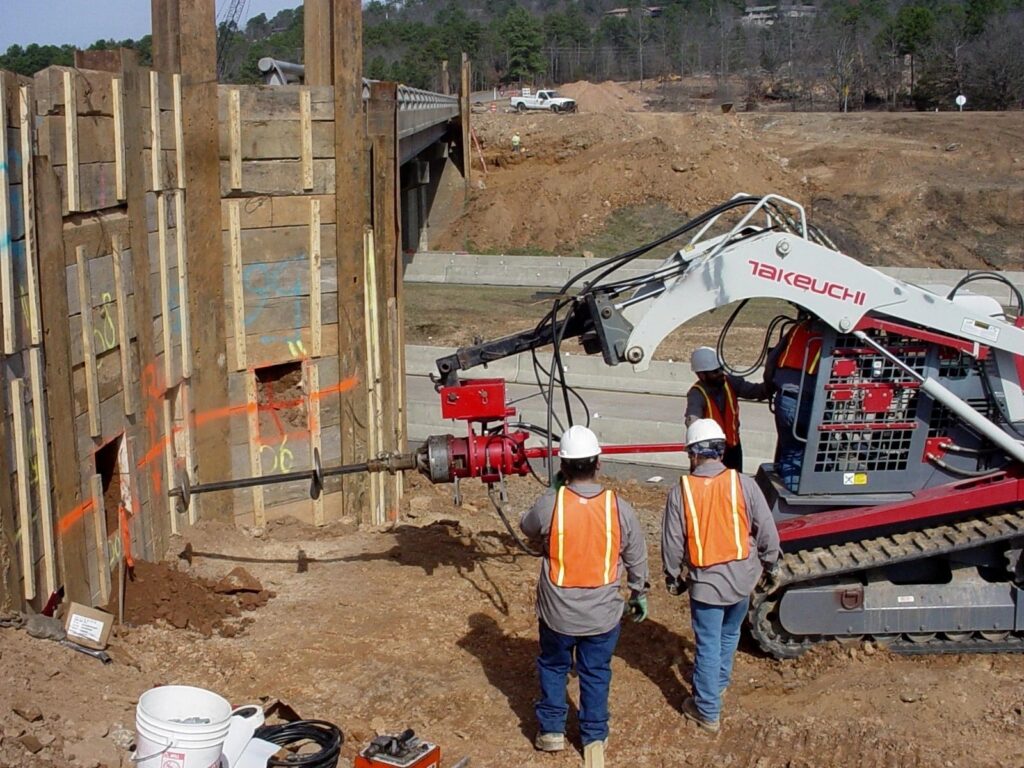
82 22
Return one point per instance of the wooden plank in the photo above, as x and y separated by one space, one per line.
272 102
237 290
255 463
42 448
91 90
96 138
286 313
121 305
93 231
374 406
59 405
166 15
235 133
276 177
279 211
382 125
165 290
7 289
179 130
118 92
272 244
71 141
28 565
170 458
350 153
306 119
185 320
315 299
87 344
188 448
107 61
156 154
99 517
97 186
29 211
282 347
280 139
318 36
312 381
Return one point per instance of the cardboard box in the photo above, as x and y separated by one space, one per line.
88 626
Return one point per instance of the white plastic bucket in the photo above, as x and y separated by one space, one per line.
166 739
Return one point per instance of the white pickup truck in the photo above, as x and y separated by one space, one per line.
543 99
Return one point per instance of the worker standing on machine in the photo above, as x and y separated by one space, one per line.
590 534
716 396
792 370
716 535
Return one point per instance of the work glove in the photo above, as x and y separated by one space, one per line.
676 585
771 577
637 606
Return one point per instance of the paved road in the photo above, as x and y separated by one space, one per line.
624 407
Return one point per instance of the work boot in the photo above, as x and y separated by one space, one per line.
690 712
593 755
550 742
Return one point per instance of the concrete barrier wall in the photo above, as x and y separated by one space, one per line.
554 271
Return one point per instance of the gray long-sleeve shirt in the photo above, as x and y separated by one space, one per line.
697 407
725 583
578 610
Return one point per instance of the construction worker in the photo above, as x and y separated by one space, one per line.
516 141
589 536
792 369
716 535
716 396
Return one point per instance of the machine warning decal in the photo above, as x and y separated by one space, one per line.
855 478
980 329
904 598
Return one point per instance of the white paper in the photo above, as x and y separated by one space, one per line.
83 626
239 737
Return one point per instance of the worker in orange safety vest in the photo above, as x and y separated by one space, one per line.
717 534
589 536
791 371
716 395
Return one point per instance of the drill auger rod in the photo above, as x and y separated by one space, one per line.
391 463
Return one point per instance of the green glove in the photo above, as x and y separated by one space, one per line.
559 480
638 607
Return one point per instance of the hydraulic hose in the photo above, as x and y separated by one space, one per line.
325 735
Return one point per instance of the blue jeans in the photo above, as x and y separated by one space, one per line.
789 456
716 630
594 666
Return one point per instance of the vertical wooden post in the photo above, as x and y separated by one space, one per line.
28 565
118 95
123 333
99 521
59 394
318 28
205 260
313 420
351 216
155 523
446 85
166 35
28 205
165 303
237 284
156 149
42 448
9 597
71 139
306 127
315 296
235 137
7 291
255 462
88 353
382 126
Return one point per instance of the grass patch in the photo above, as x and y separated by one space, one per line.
626 228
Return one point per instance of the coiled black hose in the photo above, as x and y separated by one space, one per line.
325 735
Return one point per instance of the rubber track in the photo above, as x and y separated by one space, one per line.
836 560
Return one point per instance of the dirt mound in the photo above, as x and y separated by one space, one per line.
603 97
157 592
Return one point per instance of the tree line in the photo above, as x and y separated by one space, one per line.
823 54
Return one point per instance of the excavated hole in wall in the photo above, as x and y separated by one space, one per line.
281 399
107 468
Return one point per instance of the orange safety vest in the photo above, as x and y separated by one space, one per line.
801 346
583 546
715 519
728 421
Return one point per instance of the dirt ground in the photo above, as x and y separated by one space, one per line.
912 189
429 624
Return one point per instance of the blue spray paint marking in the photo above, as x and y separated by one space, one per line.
268 281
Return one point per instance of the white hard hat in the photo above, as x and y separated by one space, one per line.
704 359
578 442
703 430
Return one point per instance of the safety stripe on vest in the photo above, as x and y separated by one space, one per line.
734 492
731 408
607 536
561 537
691 509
